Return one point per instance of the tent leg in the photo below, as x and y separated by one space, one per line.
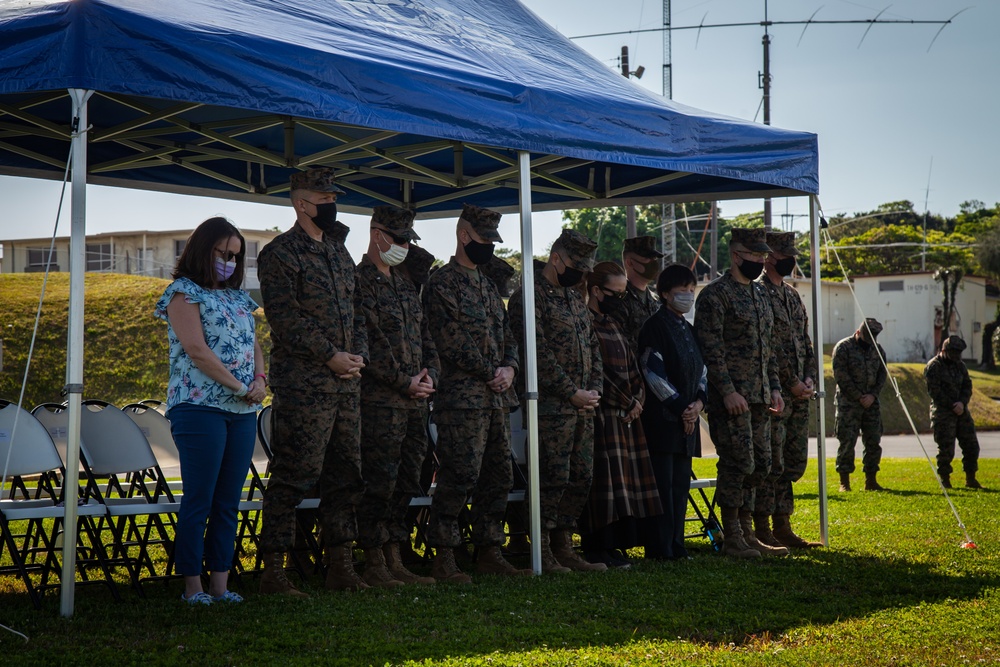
529 355
74 343
817 294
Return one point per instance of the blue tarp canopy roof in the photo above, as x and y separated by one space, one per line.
422 103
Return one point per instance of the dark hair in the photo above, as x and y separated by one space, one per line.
675 275
197 262
602 271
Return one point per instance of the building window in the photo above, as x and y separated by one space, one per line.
143 260
890 286
98 256
253 247
179 248
37 260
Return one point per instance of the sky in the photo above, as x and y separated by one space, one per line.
895 121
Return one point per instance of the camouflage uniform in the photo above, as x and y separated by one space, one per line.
308 292
734 324
948 382
393 425
569 359
796 362
858 370
466 318
638 305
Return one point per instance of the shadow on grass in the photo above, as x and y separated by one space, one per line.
708 599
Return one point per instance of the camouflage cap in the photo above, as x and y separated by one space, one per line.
953 343
318 179
483 221
500 272
750 239
873 324
782 242
397 221
644 246
418 264
576 248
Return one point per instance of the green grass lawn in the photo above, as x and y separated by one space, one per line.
894 587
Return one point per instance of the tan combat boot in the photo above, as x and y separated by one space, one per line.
845 482
376 573
762 530
491 561
971 481
562 549
746 525
394 562
733 543
784 534
446 570
340 574
273 580
871 483
549 563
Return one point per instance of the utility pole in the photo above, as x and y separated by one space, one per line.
668 216
630 209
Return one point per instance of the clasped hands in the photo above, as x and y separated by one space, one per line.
690 416
345 365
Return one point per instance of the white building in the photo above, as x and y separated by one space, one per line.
137 253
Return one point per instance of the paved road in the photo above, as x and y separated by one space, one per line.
893 446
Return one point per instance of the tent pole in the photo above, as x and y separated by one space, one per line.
530 357
817 295
74 344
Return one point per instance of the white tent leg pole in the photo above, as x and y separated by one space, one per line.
530 357
74 343
817 315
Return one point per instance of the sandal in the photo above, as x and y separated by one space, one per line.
200 597
228 596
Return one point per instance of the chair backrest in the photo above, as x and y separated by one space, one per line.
263 444
518 437
159 406
55 418
155 427
111 442
29 447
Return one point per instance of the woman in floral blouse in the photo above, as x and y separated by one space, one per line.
216 385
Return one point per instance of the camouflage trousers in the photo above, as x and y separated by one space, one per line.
851 420
565 468
314 439
473 447
743 443
789 456
393 447
947 428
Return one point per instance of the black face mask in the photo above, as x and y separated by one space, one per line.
479 253
570 276
785 266
326 216
751 270
650 270
953 355
610 305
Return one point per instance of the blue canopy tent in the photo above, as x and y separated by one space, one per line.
426 104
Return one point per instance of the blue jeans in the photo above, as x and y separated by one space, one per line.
215 448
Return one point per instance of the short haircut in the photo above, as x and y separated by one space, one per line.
675 275
602 272
197 262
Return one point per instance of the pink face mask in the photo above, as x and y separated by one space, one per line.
224 270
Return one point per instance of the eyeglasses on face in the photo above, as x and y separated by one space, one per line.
613 294
398 240
227 255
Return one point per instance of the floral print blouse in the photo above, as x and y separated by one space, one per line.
228 323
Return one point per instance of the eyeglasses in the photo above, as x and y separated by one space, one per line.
227 255
613 294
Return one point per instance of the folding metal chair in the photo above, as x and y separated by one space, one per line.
122 474
32 513
308 544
